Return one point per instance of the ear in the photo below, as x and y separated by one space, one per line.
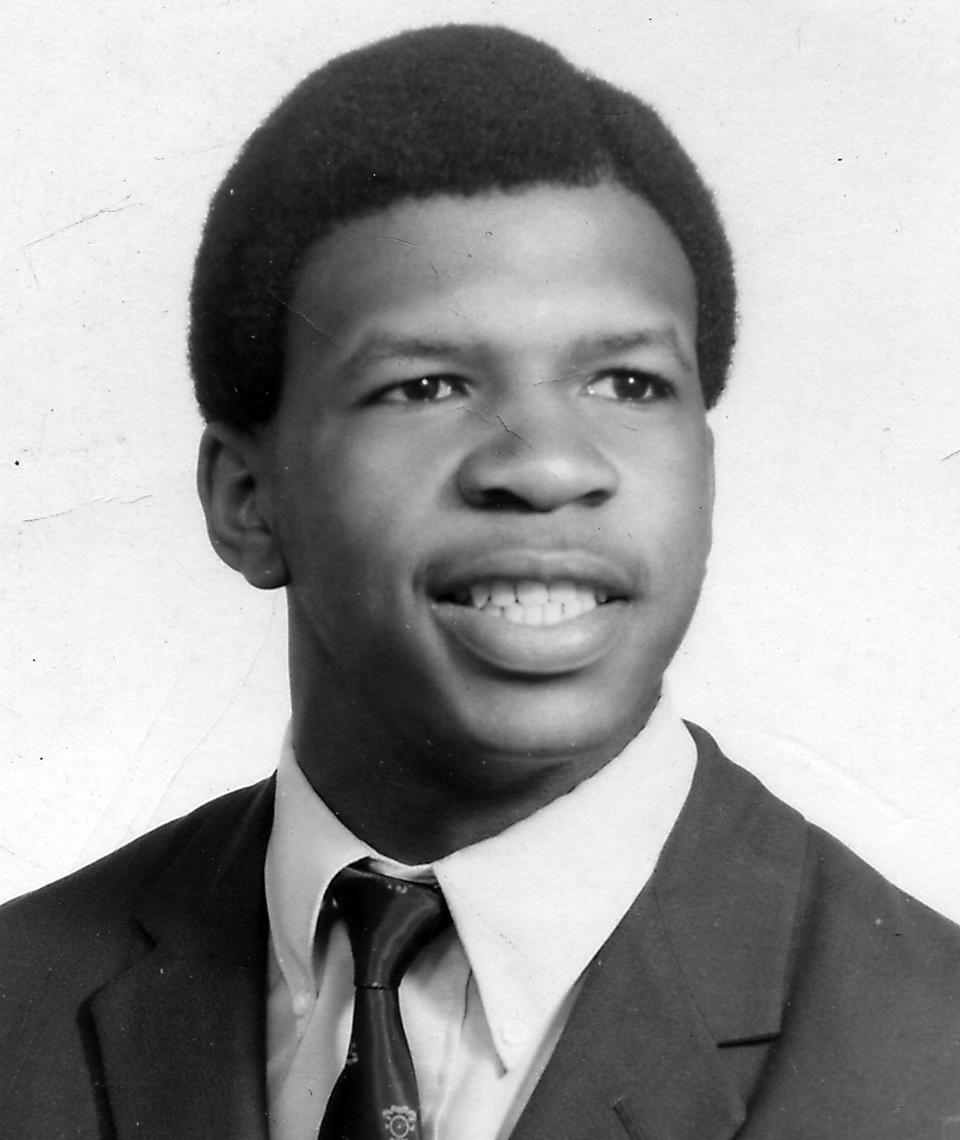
711 495
234 488
712 455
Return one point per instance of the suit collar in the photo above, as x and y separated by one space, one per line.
700 961
197 1070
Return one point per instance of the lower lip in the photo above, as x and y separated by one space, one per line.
533 651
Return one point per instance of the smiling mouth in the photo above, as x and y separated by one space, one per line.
529 601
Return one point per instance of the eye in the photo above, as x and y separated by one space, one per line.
422 390
630 385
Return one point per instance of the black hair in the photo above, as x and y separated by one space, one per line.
454 109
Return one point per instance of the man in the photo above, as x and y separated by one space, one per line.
458 314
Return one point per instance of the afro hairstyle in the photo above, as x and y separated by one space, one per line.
452 109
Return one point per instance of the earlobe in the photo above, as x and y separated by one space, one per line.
233 486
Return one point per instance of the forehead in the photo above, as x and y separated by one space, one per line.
545 258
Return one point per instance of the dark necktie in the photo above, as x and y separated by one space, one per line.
389 922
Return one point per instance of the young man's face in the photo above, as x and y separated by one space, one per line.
491 471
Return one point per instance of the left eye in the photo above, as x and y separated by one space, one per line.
630 386
422 390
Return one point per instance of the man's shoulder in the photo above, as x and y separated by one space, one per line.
845 988
874 947
141 925
836 886
860 944
93 905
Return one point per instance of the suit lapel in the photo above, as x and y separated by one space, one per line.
699 962
728 888
634 1060
181 1033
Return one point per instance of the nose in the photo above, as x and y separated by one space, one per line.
538 462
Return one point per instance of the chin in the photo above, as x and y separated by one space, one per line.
545 723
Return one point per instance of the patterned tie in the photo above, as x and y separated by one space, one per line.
389 922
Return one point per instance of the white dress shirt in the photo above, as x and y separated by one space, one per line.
484 1004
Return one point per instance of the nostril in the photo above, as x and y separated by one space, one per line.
502 499
597 497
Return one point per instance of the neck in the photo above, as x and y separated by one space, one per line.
412 795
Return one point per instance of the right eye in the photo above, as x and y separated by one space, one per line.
422 390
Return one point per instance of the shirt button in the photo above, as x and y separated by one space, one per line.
514 1032
302 1004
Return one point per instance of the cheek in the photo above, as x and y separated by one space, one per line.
670 495
692 525
344 523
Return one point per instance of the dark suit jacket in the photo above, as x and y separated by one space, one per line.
766 984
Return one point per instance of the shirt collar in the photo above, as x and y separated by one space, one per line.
531 905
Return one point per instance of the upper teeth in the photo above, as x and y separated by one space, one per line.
528 601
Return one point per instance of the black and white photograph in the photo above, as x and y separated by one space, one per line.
482 571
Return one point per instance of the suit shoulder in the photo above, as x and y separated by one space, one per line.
88 902
837 879
876 928
741 842
849 986
872 1008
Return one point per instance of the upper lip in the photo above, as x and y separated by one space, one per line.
458 571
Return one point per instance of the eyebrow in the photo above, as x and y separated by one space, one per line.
386 346
663 337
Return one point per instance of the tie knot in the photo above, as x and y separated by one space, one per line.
389 922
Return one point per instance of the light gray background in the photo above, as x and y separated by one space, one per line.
141 677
